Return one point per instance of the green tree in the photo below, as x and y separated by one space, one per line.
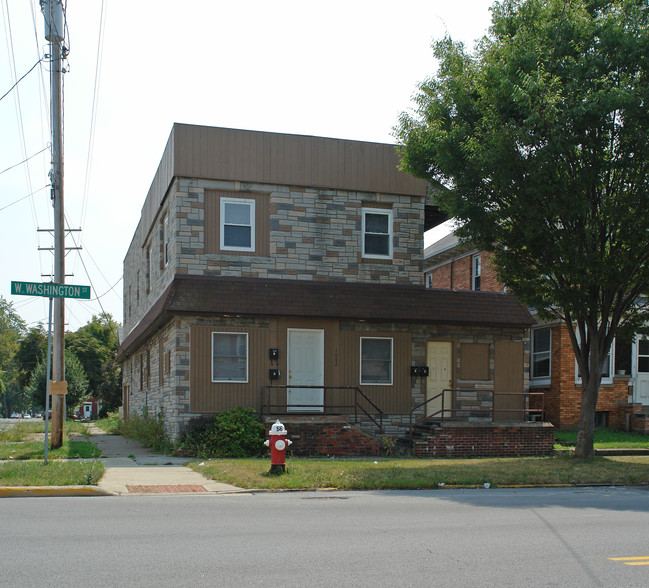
32 349
95 345
540 135
74 375
12 328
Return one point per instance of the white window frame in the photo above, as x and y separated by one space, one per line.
611 365
540 380
230 381
476 272
251 204
389 234
360 362
429 280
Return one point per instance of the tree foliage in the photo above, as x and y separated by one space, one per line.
12 328
75 376
95 344
540 135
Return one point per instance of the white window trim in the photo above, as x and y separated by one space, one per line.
222 223
360 362
545 380
611 366
476 264
387 213
215 380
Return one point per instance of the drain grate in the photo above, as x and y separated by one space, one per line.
164 489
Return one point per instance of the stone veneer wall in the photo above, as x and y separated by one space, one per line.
314 235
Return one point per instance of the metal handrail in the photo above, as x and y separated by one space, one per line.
443 411
356 405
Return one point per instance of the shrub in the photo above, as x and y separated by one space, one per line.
147 430
236 432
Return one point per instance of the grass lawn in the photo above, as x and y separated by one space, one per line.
421 474
604 439
55 473
21 446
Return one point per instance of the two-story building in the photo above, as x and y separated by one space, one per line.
285 273
623 401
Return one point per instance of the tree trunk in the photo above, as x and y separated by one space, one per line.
586 434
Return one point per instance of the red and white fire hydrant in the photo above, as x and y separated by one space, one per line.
278 444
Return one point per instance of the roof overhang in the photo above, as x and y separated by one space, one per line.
378 303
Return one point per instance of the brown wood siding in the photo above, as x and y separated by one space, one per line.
395 399
508 377
474 361
275 158
213 222
209 397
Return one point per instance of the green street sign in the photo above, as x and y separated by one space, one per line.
50 290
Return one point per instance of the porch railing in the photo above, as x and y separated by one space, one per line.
464 413
354 401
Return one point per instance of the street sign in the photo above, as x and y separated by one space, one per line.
49 290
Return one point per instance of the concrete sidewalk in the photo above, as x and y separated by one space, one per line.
132 469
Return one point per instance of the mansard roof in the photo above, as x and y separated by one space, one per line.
255 297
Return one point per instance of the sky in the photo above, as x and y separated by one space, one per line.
342 69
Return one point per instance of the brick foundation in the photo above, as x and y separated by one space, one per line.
327 436
487 440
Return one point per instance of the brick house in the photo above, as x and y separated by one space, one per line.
284 273
624 391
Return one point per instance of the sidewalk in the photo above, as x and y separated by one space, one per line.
132 469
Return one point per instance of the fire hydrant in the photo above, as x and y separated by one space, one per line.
278 444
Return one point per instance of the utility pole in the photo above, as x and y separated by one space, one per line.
55 33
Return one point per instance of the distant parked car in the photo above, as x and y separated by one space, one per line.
49 416
15 415
27 416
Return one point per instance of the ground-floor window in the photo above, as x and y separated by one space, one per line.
230 357
376 360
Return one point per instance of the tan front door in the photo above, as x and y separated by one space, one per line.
508 381
439 357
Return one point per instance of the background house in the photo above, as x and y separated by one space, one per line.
624 392
284 273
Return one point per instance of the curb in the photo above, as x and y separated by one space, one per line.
26 491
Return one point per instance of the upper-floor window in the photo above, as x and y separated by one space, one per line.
429 280
237 225
541 346
376 360
230 357
377 233
476 272
165 241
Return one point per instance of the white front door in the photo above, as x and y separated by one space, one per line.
641 387
305 360
438 358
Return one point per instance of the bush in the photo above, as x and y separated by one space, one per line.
236 432
147 430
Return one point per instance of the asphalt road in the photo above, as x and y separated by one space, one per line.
495 537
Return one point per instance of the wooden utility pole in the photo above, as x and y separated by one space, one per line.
55 33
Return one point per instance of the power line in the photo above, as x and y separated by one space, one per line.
20 80
25 160
24 197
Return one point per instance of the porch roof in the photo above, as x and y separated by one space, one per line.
372 302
